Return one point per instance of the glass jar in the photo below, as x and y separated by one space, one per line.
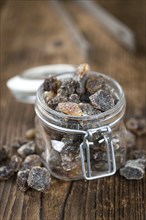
85 147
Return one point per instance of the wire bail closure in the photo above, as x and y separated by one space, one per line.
85 146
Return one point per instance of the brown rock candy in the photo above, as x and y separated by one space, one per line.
10 168
18 142
102 100
31 161
82 69
88 109
74 98
15 162
6 172
134 169
56 100
52 84
4 154
22 177
67 88
70 108
27 149
39 179
94 83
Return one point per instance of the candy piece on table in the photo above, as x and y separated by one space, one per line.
4 154
22 177
134 169
31 161
39 179
8 170
18 142
15 162
27 149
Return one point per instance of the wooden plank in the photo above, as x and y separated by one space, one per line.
119 30
132 14
85 47
34 43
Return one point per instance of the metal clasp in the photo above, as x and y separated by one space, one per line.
85 148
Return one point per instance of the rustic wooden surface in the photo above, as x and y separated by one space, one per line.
29 35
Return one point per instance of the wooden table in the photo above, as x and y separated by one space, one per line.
30 32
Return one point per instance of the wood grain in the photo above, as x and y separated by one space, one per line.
29 32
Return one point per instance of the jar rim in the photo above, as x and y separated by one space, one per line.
115 110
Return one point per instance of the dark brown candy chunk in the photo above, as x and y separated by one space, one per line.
39 179
85 98
137 125
31 161
15 162
6 172
27 149
74 98
82 69
4 154
18 143
102 100
52 84
94 83
62 93
134 169
68 87
88 109
48 95
22 177
55 101
10 168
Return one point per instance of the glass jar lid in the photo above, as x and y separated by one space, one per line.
25 85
